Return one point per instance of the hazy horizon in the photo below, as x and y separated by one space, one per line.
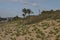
11 8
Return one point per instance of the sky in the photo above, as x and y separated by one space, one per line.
11 8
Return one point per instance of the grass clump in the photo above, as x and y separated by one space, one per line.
13 38
40 34
57 37
17 32
31 39
45 25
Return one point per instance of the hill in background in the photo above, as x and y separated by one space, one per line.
44 15
45 26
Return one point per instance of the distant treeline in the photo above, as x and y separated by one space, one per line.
50 14
44 15
3 19
36 18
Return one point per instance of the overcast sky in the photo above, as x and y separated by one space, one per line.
10 8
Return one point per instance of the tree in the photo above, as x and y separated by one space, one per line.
29 11
23 15
0 18
16 18
24 12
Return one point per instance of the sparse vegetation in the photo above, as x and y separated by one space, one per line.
13 30
45 25
38 28
13 38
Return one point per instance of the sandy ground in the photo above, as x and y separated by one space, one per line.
45 30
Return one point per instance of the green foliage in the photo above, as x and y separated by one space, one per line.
28 11
15 18
24 12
